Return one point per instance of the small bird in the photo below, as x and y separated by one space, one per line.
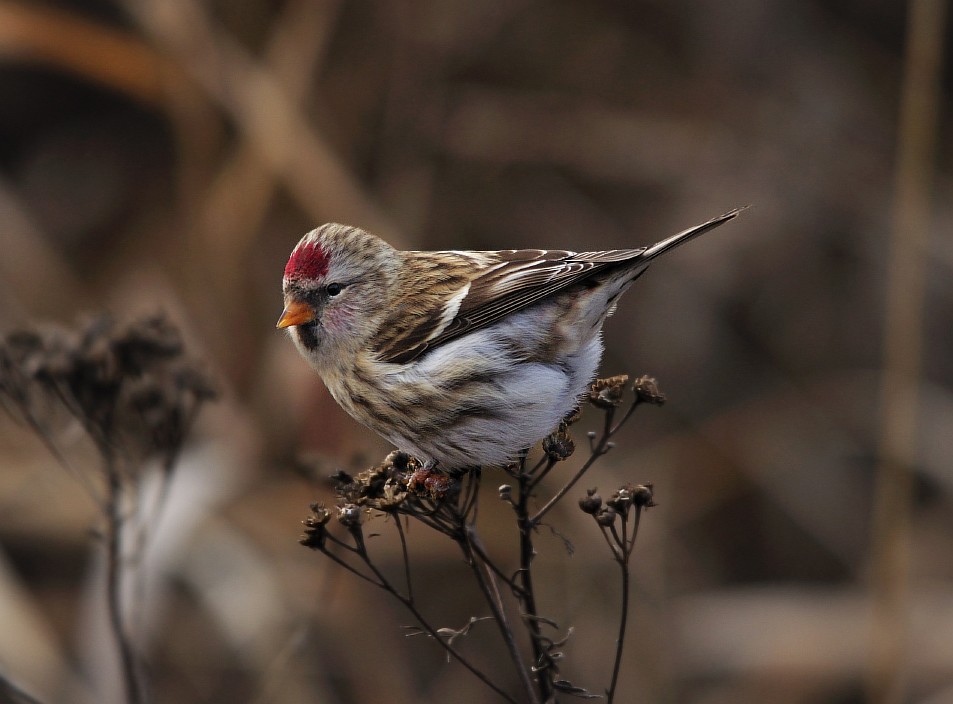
461 359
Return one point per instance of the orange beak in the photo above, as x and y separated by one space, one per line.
295 313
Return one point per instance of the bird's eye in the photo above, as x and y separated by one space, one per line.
334 289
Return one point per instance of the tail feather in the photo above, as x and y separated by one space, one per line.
670 243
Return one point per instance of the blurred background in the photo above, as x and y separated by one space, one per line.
166 155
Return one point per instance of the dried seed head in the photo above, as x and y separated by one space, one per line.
315 527
622 499
320 513
591 502
383 487
341 479
133 387
398 460
349 516
643 495
608 393
559 446
191 379
506 492
647 391
606 517
142 344
21 353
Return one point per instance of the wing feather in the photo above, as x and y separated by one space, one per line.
508 281
501 289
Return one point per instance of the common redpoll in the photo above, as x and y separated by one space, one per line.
458 358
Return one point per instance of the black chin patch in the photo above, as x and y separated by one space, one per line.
308 336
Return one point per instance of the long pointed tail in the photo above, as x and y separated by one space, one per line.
660 248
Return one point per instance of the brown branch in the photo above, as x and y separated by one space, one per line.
287 144
491 593
903 343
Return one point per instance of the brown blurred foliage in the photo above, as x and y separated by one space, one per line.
165 155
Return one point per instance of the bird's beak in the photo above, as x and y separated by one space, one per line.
295 313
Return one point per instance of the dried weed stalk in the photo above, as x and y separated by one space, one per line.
136 393
402 488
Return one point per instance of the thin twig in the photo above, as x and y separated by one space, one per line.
403 548
487 583
528 594
410 606
350 568
132 683
597 453
537 478
470 503
454 516
267 117
453 652
64 462
532 472
599 448
620 638
623 553
488 561
613 429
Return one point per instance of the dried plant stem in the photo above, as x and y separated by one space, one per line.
380 581
625 545
527 594
406 556
599 448
549 505
487 582
136 394
350 568
480 551
403 486
620 639
64 462
453 652
132 682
